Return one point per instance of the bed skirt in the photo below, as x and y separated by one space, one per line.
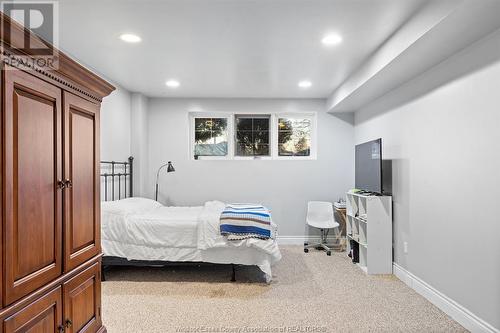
239 256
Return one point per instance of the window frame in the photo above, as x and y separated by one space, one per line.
192 126
271 139
302 115
273 135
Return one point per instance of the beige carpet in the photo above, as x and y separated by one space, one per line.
310 293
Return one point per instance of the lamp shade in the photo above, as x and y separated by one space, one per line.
170 167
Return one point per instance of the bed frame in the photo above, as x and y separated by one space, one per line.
114 174
117 183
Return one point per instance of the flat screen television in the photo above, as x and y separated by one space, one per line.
369 166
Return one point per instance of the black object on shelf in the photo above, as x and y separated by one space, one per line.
354 253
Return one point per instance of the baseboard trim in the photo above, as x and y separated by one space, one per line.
299 240
456 311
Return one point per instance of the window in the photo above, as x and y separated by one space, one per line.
252 135
294 136
266 136
210 137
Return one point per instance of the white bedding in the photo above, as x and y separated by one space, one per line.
143 229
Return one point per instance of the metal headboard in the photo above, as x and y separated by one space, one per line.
117 180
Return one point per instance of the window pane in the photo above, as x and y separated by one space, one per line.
210 137
252 136
244 150
261 150
261 137
219 124
244 124
202 136
202 124
294 137
284 136
260 124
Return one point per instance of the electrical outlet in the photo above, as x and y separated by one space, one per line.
405 247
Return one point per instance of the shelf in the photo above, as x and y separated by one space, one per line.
377 233
363 268
357 218
356 239
362 195
361 220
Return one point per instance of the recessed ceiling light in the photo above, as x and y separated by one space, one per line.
130 38
172 83
305 84
331 39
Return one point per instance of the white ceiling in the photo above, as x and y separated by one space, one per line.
223 48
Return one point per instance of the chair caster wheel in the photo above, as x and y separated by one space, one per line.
306 250
306 243
328 253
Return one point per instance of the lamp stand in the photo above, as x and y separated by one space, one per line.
170 168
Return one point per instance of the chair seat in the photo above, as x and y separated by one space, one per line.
329 224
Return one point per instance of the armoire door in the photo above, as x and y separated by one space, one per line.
31 185
82 301
42 316
1 203
81 172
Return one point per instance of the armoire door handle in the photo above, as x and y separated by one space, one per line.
61 184
68 323
60 328
68 183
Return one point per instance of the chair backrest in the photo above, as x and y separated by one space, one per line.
320 211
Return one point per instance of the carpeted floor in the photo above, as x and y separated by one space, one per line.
310 293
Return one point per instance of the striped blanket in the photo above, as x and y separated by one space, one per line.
241 221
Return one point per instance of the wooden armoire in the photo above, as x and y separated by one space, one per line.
50 248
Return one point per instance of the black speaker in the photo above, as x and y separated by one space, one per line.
354 253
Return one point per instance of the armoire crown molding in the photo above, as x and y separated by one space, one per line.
68 73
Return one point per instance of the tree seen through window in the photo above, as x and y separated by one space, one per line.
294 137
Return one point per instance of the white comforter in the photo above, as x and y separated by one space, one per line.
143 229
210 237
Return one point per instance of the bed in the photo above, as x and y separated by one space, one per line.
140 231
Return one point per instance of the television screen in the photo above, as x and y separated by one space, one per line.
369 166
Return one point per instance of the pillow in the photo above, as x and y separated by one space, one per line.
129 205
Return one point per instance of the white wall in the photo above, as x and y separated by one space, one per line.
283 186
139 142
445 149
115 126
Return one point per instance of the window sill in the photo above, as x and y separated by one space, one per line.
211 158
252 158
295 158
262 158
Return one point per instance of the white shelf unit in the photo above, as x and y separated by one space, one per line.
369 223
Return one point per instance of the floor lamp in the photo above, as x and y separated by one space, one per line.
170 168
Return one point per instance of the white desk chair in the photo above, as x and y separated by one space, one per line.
320 215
